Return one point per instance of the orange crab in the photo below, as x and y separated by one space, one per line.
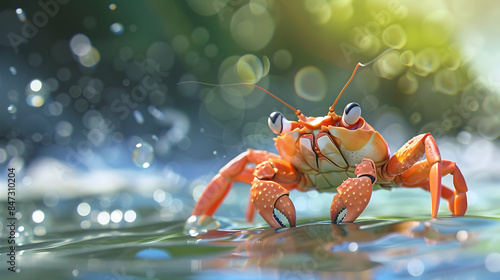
342 154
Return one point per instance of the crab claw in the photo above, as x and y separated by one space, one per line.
269 195
353 197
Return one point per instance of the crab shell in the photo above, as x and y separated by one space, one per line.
326 156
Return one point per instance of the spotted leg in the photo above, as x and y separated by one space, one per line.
273 179
236 170
354 193
406 157
418 176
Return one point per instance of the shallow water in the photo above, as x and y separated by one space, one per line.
373 248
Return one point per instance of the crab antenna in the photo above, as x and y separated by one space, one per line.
331 109
297 112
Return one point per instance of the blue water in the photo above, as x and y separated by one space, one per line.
373 248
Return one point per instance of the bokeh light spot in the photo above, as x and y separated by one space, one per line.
103 218
38 216
80 44
252 32
426 61
389 65
162 55
282 59
207 8
408 83
407 58
130 216
143 154
446 81
83 209
310 83
250 69
117 28
200 36
90 58
394 36
36 85
35 100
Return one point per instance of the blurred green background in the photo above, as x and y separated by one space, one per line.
108 73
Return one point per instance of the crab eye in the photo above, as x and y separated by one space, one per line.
278 123
352 113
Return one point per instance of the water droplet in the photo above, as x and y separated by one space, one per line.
250 69
139 118
143 154
21 15
117 28
408 83
194 227
446 81
12 109
394 36
426 61
310 83
407 58
36 85
13 70
112 7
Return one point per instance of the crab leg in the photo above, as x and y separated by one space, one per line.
410 153
354 193
273 179
417 176
219 186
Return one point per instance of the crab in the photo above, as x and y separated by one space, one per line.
333 153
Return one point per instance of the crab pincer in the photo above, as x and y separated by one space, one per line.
269 191
268 196
354 194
